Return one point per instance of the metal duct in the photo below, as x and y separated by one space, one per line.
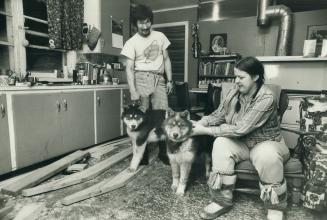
226 9
262 19
266 12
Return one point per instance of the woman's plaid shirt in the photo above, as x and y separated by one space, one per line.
256 121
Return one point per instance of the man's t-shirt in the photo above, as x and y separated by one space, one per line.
147 52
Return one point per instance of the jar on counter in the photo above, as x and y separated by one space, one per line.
85 80
80 75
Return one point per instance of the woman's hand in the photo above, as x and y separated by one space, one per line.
203 122
199 129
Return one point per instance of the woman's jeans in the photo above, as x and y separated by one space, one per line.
267 157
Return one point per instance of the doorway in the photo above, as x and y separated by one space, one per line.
177 33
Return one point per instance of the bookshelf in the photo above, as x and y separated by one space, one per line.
216 69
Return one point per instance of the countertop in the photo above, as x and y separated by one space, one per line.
62 87
291 59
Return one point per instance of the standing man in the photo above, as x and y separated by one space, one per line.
147 62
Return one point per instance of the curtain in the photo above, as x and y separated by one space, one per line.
65 23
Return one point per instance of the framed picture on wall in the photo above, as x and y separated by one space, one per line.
116 33
217 43
317 32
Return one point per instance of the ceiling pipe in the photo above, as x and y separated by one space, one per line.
266 12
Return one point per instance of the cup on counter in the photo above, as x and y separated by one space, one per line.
115 81
12 81
32 80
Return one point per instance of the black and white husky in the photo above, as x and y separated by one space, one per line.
142 128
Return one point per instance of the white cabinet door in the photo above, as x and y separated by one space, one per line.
37 127
5 159
108 119
77 120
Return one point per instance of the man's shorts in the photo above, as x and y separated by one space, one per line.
152 88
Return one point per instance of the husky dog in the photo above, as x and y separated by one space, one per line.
183 149
142 128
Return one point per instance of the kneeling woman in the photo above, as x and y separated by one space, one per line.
246 127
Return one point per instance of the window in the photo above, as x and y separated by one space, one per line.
28 20
39 58
6 37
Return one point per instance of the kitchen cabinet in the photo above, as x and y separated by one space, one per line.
37 126
77 120
46 123
99 13
126 97
125 102
108 114
5 158
51 123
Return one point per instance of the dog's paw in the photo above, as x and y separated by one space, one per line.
207 174
132 169
174 187
180 190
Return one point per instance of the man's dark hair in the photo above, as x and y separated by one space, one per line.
141 13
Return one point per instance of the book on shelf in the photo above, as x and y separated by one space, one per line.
205 69
230 69
216 68
219 69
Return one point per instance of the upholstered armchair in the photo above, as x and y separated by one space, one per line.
293 168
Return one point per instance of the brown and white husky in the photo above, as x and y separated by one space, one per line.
182 149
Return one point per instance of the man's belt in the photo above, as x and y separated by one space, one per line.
152 72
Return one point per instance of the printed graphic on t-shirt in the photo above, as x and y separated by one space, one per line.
151 52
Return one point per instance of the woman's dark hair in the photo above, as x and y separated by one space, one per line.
141 13
253 67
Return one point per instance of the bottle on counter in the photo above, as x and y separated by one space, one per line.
80 74
107 79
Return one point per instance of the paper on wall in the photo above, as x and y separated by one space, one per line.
324 48
117 40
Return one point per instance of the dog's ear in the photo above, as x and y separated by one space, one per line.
136 103
169 113
186 114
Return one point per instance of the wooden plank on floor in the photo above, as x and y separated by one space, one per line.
77 167
76 178
104 186
5 210
29 211
103 152
100 154
116 142
44 173
13 179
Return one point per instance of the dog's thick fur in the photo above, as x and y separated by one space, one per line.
183 149
142 128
